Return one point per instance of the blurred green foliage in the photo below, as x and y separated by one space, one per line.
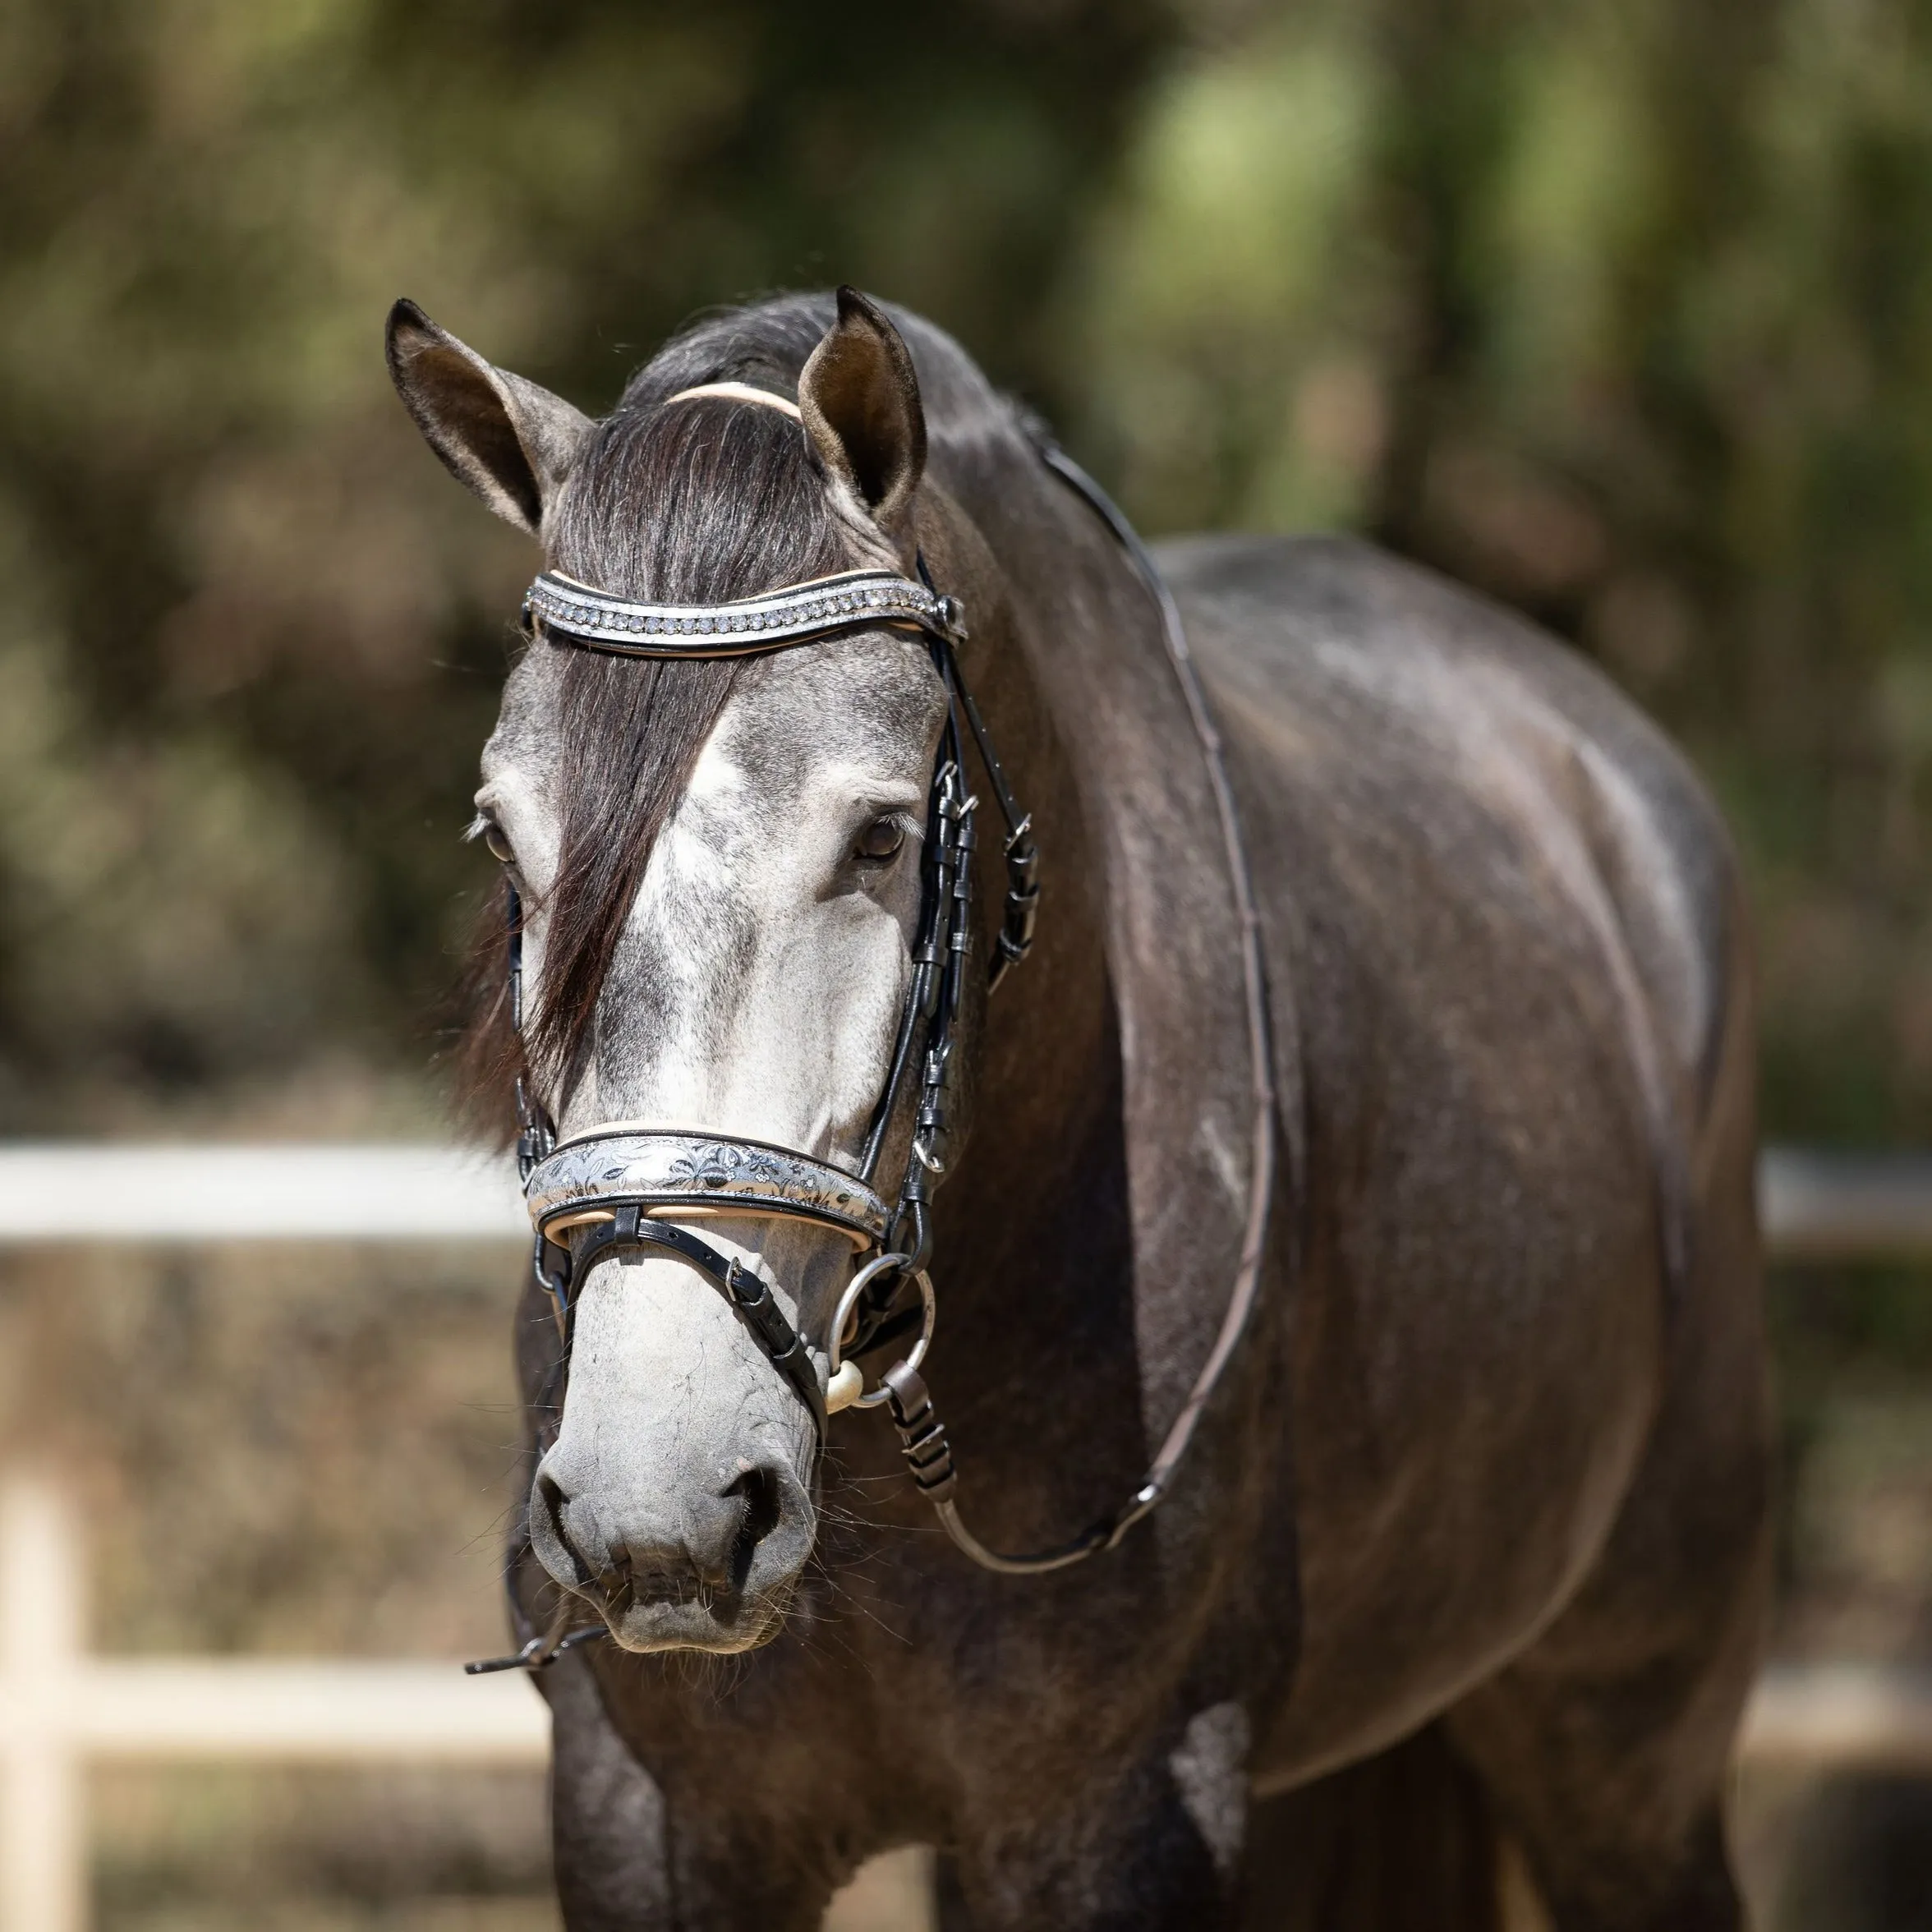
1620 310
253 635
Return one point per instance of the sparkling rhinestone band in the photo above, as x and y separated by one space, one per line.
789 616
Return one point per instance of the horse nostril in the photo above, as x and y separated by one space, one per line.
551 1537
758 1490
663 1551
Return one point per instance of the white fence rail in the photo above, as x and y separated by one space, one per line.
405 1192
62 1707
1833 1207
1816 1207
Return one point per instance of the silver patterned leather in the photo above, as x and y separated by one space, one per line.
664 1168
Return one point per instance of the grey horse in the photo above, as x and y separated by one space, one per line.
1465 1571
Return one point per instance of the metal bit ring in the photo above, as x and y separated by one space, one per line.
860 1281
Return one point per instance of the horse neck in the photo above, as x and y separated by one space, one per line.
1043 1083
1124 1067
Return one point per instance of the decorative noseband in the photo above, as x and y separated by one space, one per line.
796 615
665 1169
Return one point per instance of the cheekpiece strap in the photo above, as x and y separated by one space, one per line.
796 615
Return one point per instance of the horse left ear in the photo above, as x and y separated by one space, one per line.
500 435
860 400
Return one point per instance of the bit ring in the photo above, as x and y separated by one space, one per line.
849 1301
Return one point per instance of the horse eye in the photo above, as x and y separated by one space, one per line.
881 838
500 846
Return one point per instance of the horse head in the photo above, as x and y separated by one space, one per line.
721 865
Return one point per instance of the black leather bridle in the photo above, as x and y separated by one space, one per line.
619 1190
609 1191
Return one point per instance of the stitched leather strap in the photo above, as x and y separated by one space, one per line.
750 1297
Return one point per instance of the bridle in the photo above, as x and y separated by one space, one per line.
621 1188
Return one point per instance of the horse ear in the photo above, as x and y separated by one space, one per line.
509 440
860 400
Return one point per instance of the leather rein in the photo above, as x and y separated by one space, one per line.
620 1188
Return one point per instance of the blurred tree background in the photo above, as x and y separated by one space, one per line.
1618 309
254 637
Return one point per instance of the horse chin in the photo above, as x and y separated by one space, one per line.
717 1630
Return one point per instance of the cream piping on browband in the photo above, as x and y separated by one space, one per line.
737 392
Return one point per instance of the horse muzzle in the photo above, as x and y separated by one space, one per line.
685 1561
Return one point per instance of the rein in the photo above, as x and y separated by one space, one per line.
619 1188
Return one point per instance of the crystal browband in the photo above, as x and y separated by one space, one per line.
663 1169
788 616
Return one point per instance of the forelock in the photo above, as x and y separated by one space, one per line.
691 502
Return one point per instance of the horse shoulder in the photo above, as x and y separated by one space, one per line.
1398 731
1506 916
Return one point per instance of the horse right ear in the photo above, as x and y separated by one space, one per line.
859 399
508 439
